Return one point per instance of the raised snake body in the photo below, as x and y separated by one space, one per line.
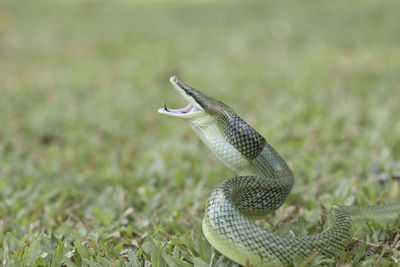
263 185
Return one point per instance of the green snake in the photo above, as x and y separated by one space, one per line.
263 183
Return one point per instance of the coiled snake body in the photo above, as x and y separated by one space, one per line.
263 185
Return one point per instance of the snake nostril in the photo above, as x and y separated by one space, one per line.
174 79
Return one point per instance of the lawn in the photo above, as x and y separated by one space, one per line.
91 175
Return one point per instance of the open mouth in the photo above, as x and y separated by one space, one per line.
190 108
187 112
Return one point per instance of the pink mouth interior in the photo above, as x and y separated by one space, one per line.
188 109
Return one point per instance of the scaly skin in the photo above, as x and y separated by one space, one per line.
263 185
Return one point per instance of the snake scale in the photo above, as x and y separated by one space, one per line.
263 183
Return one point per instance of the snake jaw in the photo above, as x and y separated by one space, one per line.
191 111
188 112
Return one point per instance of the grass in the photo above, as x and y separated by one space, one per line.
90 175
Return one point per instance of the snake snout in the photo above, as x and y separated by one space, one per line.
174 79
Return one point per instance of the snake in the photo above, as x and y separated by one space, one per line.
263 183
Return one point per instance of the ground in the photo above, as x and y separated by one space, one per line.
91 175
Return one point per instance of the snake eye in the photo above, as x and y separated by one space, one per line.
189 93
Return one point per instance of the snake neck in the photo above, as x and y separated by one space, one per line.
240 147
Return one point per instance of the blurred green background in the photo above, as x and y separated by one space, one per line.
91 175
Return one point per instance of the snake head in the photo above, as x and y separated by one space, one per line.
199 104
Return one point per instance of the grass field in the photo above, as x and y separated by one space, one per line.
91 175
